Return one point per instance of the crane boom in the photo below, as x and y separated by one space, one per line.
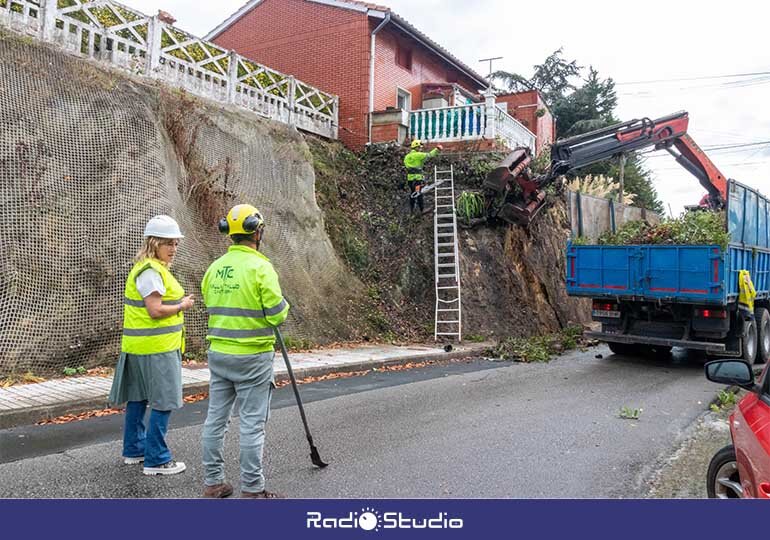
515 196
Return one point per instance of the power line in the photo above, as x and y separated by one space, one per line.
723 166
713 148
706 77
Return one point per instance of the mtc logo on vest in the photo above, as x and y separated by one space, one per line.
226 272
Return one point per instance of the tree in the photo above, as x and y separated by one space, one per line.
551 78
588 108
580 109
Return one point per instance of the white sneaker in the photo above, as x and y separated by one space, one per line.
172 467
133 460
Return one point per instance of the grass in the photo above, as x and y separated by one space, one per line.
727 399
74 371
474 338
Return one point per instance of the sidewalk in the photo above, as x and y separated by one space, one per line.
30 403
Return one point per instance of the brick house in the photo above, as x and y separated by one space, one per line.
331 44
530 109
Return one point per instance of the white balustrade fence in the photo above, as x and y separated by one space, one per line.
116 34
445 124
470 122
511 131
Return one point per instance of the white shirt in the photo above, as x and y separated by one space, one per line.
148 282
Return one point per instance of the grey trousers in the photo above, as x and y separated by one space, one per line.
249 380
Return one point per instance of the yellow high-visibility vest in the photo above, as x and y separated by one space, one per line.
244 302
141 333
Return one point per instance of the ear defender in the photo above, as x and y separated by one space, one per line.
251 224
224 226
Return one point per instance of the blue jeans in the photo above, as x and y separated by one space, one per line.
249 380
150 443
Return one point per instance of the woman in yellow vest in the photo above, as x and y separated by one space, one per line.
149 370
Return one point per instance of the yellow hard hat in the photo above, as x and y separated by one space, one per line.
416 143
242 219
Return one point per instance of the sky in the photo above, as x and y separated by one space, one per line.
633 43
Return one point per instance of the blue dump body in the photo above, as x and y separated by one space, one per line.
687 274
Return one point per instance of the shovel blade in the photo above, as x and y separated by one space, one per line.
315 457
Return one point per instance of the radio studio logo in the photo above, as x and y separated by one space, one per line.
369 519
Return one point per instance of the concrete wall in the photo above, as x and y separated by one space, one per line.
596 215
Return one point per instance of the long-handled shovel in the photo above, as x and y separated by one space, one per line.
315 457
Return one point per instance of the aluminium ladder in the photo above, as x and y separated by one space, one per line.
447 260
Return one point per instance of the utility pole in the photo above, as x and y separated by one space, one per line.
490 60
622 176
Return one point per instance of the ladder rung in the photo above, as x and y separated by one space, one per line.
447 288
444 197
450 244
444 235
448 322
445 310
445 225
445 215
447 265
445 206
448 301
450 254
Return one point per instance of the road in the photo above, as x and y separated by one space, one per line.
468 429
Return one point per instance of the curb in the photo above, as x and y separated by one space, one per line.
33 415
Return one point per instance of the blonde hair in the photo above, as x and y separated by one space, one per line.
149 249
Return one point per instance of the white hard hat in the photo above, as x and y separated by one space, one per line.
163 227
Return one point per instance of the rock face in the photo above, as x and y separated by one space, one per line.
514 278
87 156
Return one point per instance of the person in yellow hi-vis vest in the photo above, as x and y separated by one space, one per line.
414 162
245 304
747 293
149 369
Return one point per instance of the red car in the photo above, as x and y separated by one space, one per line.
742 470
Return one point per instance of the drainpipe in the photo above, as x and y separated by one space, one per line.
371 70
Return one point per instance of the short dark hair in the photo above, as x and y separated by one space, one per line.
241 238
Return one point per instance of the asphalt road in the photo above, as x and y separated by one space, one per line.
476 429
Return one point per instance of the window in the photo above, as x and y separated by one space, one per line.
403 100
404 56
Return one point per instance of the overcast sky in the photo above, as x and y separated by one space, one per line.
630 42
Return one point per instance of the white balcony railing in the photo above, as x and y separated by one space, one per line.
468 123
110 32
512 132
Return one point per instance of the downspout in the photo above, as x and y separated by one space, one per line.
371 70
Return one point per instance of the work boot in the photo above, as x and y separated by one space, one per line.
172 467
219 491
264 494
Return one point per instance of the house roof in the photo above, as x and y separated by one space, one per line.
372 10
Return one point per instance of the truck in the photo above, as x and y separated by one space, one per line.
651 298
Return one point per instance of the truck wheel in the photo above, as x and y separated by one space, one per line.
750 342
762 316
722 480
624 349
